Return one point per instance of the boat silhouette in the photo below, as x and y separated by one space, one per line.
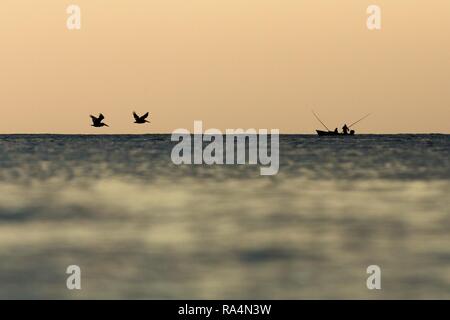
334 133
346 132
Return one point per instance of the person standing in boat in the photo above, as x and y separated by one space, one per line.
345 129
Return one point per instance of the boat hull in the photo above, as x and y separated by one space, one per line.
332 133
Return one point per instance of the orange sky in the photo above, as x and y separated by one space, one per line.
231 63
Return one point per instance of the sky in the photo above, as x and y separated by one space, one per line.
229 63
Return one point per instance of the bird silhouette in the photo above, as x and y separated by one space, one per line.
97 122
140 120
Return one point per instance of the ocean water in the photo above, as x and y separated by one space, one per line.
141 227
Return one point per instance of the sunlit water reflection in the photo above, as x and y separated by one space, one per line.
141 227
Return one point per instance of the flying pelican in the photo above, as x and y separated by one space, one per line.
97 122
140 120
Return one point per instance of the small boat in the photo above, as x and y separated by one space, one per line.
333 133
345 129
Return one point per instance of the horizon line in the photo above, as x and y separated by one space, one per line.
170 133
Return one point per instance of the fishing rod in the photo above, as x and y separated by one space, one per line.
359 120
315 115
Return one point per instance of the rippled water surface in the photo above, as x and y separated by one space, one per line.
141 227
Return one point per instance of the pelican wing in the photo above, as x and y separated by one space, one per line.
101 117
136 116
145 116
